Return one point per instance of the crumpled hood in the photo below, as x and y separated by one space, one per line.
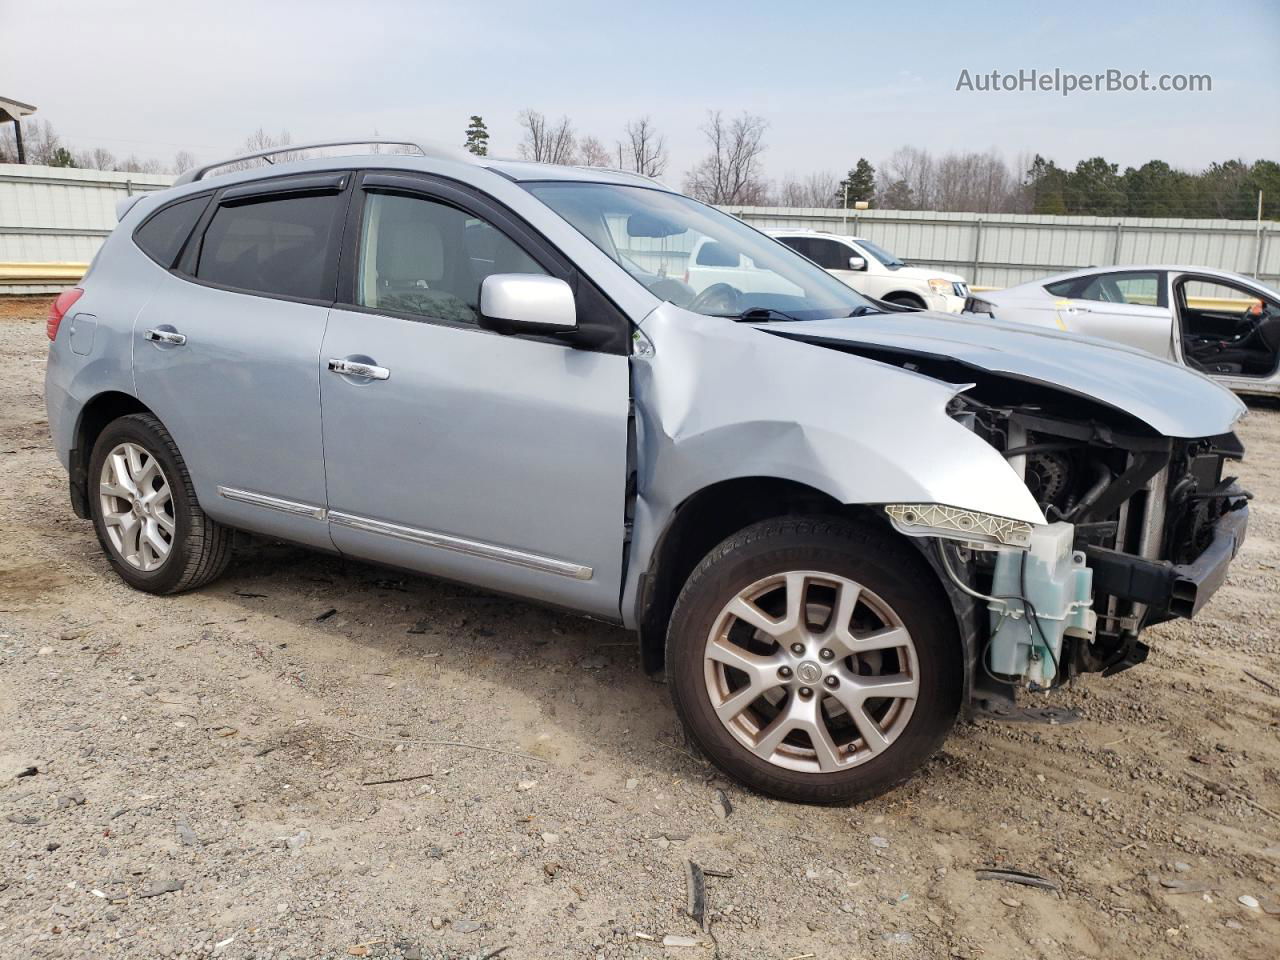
1171 399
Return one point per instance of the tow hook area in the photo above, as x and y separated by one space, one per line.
1039 595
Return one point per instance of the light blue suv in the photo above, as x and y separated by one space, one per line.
832 523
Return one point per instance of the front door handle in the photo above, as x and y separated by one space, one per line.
354 368
156 335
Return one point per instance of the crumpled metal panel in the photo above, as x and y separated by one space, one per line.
719 401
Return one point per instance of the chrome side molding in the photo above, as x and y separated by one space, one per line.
273 503
474 548
428 538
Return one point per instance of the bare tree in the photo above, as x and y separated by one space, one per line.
592 153
730 173
40 141
969 182
911 176
99 158
183 161
261 140
644 150
132 164
816 190
544 142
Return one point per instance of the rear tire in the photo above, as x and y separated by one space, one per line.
815 660
145 512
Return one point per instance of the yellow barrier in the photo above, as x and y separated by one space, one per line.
35 274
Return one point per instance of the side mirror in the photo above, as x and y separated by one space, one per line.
857 263
527 303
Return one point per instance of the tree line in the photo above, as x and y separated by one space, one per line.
732 172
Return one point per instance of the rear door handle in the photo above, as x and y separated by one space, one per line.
166 336
354 368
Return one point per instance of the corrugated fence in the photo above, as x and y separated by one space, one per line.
53 219
1005 249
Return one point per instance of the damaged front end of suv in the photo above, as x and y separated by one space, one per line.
1141 530
1142 519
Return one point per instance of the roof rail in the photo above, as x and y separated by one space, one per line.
425 149
629 173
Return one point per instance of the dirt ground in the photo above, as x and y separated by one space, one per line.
206 774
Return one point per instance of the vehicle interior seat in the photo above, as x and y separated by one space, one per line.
1255 353
414 270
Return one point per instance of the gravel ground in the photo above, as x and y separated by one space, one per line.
314 758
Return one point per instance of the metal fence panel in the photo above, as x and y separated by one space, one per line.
60 214
1004 249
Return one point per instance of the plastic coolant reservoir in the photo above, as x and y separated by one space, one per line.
1060 588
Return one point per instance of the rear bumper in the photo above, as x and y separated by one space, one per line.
1169 589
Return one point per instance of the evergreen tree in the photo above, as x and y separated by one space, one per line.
1094 188
1046 182
62 158
478 137
1155 189
897 196
860 184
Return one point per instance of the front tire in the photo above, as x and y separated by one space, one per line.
145 511
815 660
905 300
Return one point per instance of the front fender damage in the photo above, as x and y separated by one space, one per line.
716 401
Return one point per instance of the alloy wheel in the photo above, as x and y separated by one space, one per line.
137 507
811 671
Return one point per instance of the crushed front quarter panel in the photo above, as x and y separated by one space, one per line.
718 400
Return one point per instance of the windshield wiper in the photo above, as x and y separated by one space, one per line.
862 310
763 315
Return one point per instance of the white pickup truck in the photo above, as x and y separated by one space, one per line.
875 272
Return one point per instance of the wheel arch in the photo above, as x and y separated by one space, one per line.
901 295
719 510
94 417
704 519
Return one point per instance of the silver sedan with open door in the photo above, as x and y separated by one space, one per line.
1222 324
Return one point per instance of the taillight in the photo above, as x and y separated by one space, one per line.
58 309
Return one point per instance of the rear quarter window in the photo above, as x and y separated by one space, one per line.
1062 288
163 234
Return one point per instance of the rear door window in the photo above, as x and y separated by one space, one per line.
163 234
801 245
830 254
278 246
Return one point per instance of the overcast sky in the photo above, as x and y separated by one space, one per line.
835 81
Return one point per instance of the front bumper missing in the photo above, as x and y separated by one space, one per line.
1169 589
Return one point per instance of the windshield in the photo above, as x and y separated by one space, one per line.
883 255
696 257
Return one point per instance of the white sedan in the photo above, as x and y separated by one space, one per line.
1223 324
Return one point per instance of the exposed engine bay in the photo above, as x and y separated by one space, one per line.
1141 528
1129 512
